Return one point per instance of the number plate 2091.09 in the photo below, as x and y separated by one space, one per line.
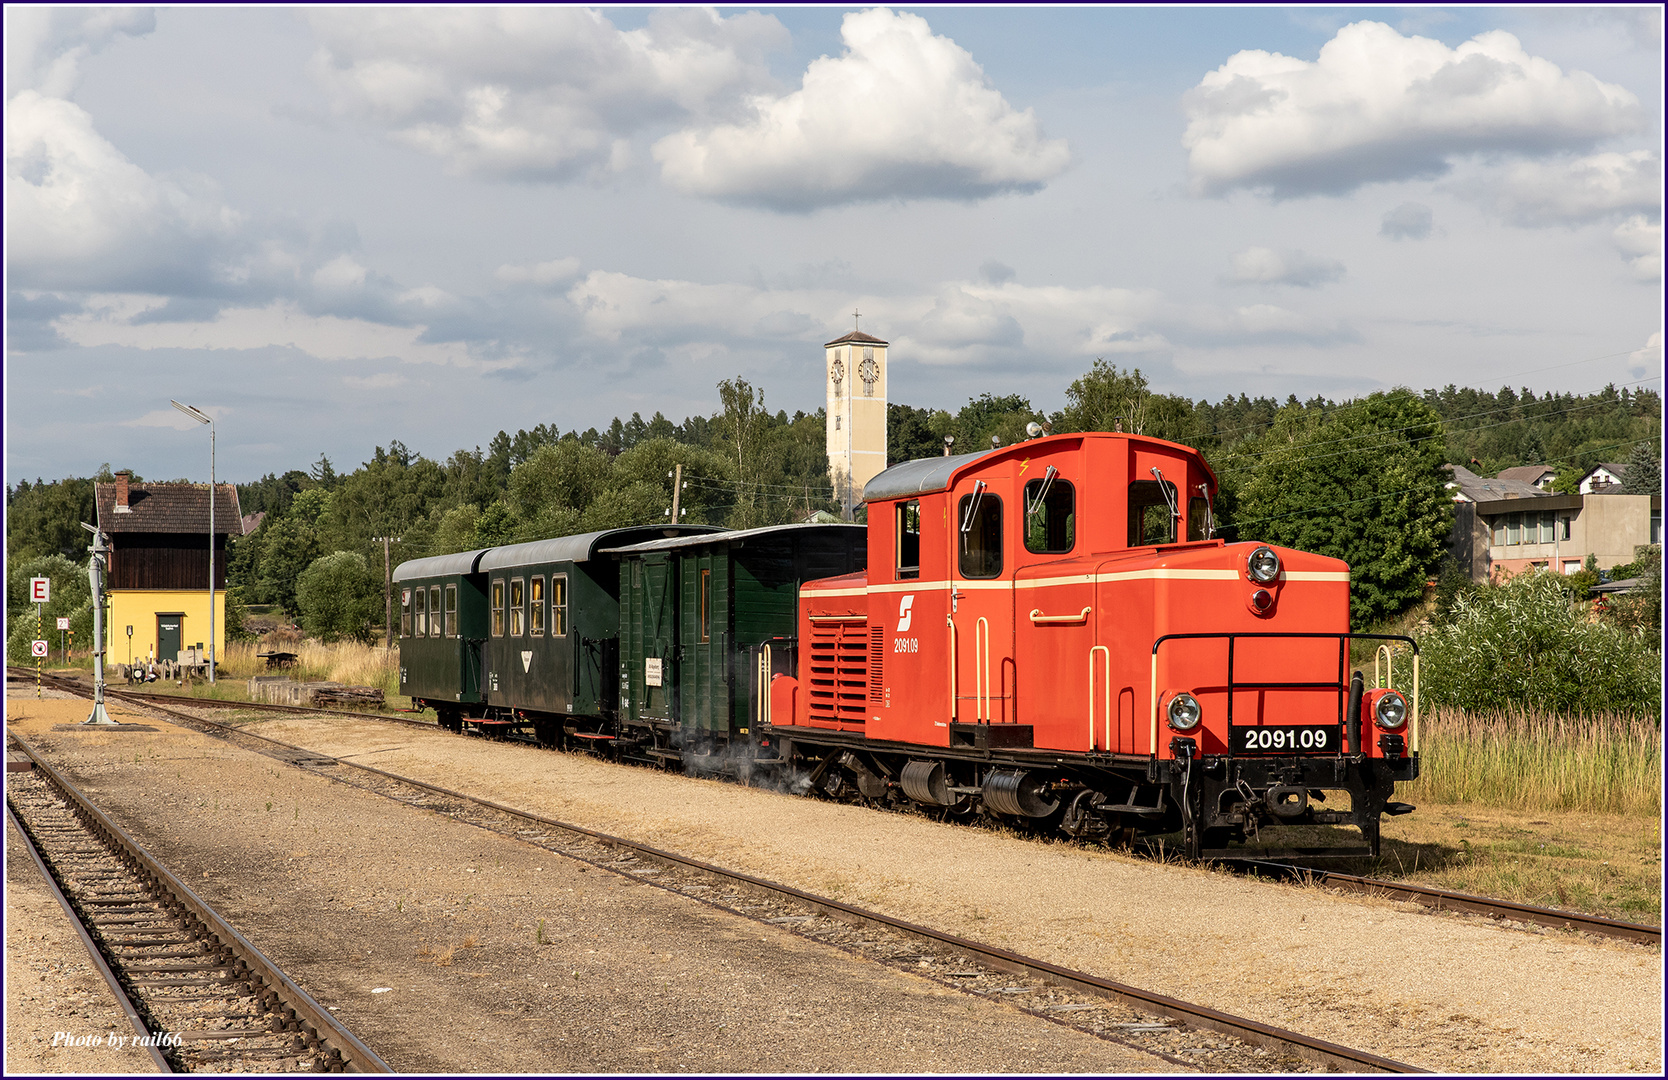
1286 739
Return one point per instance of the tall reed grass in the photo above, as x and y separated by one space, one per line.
347 662
1530 760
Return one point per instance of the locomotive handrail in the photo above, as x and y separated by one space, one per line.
950 621
1106 679
981 666
1039 619
1341 685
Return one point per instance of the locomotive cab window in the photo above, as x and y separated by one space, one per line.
1050 515
535 607
422 613
1152 515
498 608
518 607
558 605
1198 518
405 613
435 625
979 519
451 611
909 539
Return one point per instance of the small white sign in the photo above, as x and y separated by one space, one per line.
651 671
40 590
37 648
526 661
63 622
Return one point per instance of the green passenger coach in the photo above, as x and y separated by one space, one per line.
443 620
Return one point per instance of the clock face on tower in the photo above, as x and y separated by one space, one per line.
838 372
869 372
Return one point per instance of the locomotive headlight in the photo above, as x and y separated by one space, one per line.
1184 712
1263 566
1390 711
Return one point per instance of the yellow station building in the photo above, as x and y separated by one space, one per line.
158 583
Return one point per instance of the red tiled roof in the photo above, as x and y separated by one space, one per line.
169 508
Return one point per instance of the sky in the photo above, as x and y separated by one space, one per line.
330 228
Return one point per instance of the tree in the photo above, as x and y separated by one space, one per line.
1105 399
46 519
338 596
744 429
1644 471
1364 484
289 546
71 596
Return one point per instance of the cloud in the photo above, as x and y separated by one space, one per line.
1264 266
554 272
1409 221
1647 361
535 93
45 45
903 113
381 381
173 418
1640 241
1571 190
1378 106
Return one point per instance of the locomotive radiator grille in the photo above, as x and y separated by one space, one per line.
877 653
839 672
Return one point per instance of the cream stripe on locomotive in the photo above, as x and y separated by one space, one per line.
1077 579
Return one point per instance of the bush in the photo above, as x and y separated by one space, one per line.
1524 644
338 596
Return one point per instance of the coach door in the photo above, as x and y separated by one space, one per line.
651 670
702 673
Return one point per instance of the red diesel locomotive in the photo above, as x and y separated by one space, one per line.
1049 631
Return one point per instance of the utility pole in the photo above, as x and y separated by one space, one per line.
677 489
387 586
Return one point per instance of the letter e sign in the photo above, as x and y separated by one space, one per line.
40 590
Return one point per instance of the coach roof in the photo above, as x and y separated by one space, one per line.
737 537
584 547
439 565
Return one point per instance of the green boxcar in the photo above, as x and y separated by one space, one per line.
694 612
443 623
553 621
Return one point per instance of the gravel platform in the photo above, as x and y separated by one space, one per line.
1449 994
449 949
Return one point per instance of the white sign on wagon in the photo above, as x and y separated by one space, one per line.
651 671
40 590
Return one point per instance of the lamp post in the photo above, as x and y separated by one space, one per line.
387 586
203 418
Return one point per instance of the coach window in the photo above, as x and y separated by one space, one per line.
1152 515
498 608
558 605
518 607
1050 515
451 611
909 539
706 605
434 611
405 612
979 518
422 613
535 607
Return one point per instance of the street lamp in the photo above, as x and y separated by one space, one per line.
203 418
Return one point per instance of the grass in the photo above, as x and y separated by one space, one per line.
1531 761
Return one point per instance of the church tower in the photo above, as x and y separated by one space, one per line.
856 367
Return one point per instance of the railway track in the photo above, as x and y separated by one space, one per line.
1114 1010
199 996
1437 900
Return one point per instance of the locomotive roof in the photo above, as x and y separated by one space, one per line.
439 565
920 476
741 535
579 548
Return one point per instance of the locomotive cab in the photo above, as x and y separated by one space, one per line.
1051 631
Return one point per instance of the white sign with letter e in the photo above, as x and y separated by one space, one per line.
37 648
40 590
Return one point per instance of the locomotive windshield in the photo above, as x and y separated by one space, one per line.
1151 521
981 535
1050 518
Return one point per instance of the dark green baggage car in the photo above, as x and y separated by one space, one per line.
553 621
443 621
697 615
